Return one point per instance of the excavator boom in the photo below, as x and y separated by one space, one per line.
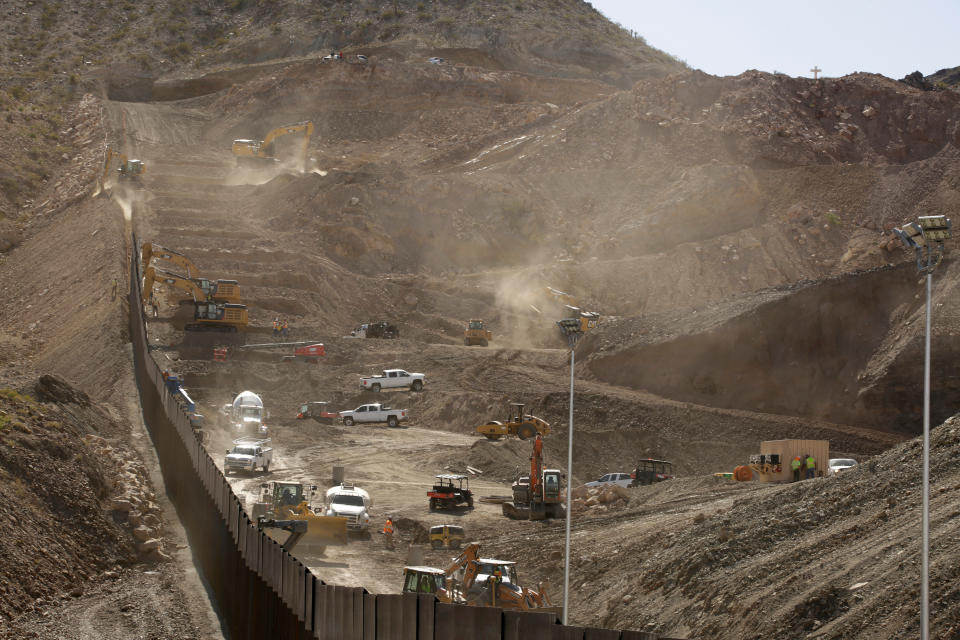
265 149
149 251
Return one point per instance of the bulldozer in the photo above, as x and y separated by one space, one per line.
257 152
476 334
518 424
289 501
478 582
536 496
200 289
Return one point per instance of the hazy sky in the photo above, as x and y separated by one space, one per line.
839 36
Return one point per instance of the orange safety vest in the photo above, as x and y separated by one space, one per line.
388 527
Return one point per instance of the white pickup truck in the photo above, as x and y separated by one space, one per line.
374 413
393 379
248 454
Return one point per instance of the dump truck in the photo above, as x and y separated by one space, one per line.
291 501
518 424
476 334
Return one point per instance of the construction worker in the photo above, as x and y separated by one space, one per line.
284 328
811 466
795 464
113 290
495 581
276 326
388 533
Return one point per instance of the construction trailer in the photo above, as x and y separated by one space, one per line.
773 462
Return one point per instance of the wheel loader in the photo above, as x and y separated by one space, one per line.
518 424
475 333
290 501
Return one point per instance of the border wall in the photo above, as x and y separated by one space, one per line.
263 592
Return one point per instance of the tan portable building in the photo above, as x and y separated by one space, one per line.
787 449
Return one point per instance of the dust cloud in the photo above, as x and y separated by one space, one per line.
126 204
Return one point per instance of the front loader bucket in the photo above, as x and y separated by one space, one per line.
325 530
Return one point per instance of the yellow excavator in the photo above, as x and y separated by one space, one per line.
588 319
200 289
520 424
260 151
483 582
149 251
289 501
127 169
218 316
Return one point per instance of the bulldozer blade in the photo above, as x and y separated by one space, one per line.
513 512
325 531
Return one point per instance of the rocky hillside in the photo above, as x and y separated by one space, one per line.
50 51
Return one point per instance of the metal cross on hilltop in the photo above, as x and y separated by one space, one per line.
815 71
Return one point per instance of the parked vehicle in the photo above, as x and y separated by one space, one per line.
450 491
351 502
393 379
650 471
373 413
376 330
619 479
248 454
449 536
836 465
317 411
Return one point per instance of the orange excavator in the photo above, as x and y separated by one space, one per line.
536 496
477 581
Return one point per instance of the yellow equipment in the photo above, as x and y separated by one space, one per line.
476 334
257 151
218 316
149 251
588 319
484 582
518 424
200 289
446 535
287 501
127 169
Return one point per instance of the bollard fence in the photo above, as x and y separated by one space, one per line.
259 589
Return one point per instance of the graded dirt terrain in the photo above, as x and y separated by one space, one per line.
732 232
